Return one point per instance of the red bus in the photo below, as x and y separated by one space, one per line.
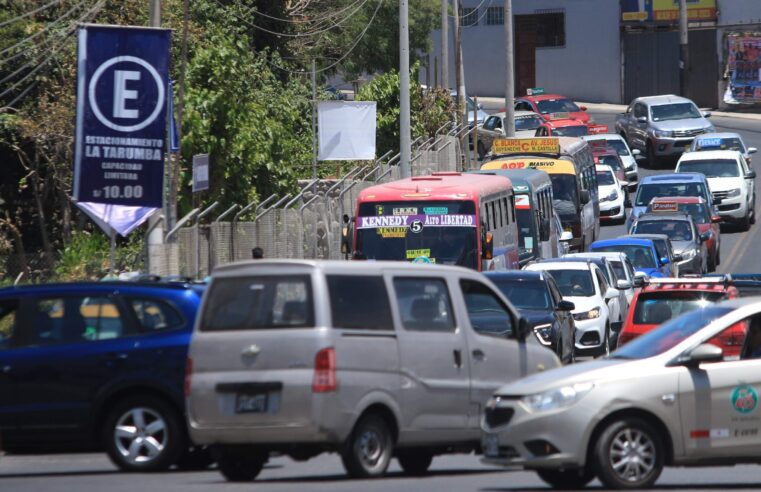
447 218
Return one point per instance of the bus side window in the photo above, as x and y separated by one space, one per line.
489 223
500 213
494 224
511 207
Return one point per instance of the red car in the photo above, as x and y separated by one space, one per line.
562 125
662 299
701 215
547 104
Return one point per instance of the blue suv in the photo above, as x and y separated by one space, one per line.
98 366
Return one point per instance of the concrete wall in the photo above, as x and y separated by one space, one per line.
588 68
734 15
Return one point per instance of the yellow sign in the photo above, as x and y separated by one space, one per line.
550 166
392 232
697 10
416 253
526 145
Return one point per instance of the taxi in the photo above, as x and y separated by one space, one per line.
690 251
701 215
672 397
662 299
564 125
547 104
613 199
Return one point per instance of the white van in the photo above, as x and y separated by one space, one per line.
367 359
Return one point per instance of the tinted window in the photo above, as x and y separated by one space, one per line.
657 308
618 145
155 315
647 192
250 303
73 320
557 106
424 304
676 111
487 314
618 267
612 161
525 294
639 256
8 313
574 283
530 122
359 302
571 131
676 230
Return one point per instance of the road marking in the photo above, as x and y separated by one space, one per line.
738 251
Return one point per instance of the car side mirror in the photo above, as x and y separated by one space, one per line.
636 152
752 150
639 280
611 293
566 306
750 175
705 352
623 285
566 236
706 114
705 236
524 329
664 260
641 119
716 201
583 108
716 219
584 197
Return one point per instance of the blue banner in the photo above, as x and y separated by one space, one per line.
122 91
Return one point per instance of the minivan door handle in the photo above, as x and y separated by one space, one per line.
251 350
479 354
457 358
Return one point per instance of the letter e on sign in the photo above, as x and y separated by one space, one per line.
121 93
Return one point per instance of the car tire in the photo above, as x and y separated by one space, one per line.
652 159
415 461
481 151
368 450
144 434
744 224
628 454
605 348
712 263
240 463
718 256
566 479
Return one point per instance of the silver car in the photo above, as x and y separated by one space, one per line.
690 250
367 359
686 393
526 123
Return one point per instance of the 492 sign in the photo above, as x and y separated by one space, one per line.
122 94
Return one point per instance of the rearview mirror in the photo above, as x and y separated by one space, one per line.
480 106
584 197
664 260
705 352
705 236
611 293
639 280
636 152
583 108
524 328
752 150
566 306
706 114
750 175
623 285
566 236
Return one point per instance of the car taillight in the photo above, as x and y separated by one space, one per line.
324 379
188 375
626 337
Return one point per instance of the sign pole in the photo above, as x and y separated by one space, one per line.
405 147
509 71
314 120
684 54
445 44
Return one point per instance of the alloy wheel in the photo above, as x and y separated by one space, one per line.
140 435
632 455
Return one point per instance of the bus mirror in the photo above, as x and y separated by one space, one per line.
488 248
584 197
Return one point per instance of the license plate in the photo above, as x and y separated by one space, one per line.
491 445
248 403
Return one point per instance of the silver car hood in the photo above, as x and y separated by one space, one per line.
686 124
682 246
570 374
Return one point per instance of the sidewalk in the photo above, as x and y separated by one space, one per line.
496 103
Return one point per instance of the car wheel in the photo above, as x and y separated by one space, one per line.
745 223
415 461
718 256
652 159
481 151
605 349
566 479
369 449
143 434
240 463
711 263
628 455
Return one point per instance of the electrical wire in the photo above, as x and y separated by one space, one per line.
31 12
313 19
463 8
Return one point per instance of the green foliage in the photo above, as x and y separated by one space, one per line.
86 256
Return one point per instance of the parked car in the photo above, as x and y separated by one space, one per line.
98 366
690 251
701 215
613 199
546 104
538 299
730 180
662 126
641 252
583 283
672 397
681 184
617 143
665 249
723 141
367 359
526 123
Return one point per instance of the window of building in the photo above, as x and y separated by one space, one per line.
550 30
495 16
469 16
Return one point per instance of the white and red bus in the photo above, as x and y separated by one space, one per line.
446 218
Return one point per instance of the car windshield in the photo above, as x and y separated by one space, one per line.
676 230
676 111
670 334
618 145
655 308
698 211
646 192
574 283
612 161
720 143
526 231
530 122
571 131
565 197
712 168
403 231
605 178
640 256
557 106
524 294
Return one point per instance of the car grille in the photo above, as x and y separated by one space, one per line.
688 133
611 212
720 194
498 416
727 208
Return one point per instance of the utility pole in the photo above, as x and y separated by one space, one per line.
314 120
405 148
684 55
509 71
445 44
156 236
154 12
459 82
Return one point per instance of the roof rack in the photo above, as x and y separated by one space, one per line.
692 279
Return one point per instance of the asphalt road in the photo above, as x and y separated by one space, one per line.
94 472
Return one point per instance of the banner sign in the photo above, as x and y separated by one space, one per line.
417 221
744 67
346 130
666 11
549 145
122 91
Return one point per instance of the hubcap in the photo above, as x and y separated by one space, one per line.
370 449
632 455
140 435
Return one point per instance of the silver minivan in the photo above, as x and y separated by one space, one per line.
369 360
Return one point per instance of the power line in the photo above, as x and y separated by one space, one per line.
475 8
31 12
314 19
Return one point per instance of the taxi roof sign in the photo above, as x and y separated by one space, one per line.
560 116
546 145
664 207
535 91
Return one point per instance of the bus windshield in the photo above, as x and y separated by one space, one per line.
443 232
565 196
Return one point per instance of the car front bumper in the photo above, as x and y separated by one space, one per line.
614 210
590 337
733 209
668 146
691 265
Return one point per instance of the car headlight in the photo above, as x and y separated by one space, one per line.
734 193
689 254
544 333
611 196
662 133
564 396
591 314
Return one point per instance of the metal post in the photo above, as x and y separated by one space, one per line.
155 235
475 127
445 44
151 227
112 255
154 12
405 148
197 259
684 52
314 120
509 70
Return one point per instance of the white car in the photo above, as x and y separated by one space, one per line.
612 194
584 284
621 266
627 155
729 178
722 141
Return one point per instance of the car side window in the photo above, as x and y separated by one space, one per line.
155 315
489 123
369 311
73 319
554 291
424 304
8 322
487 313
742 340
640 110
601 281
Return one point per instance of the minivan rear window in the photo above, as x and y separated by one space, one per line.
359 302
259 302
